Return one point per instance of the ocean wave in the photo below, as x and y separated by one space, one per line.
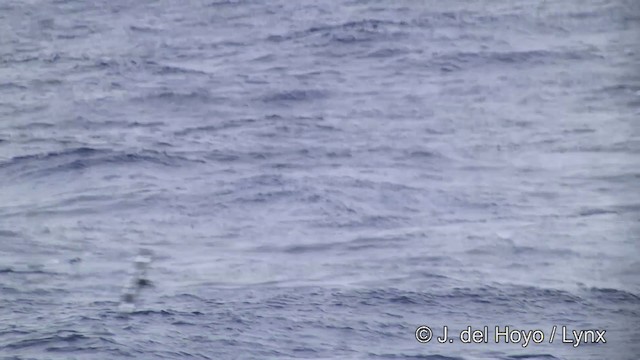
81 122
295 96
34 125
145 29
349 32
614 295
12 86
456 61
414 356
227 3
62 336
508 298
175 96
530 357
596 211
212 128
26 271
357 244
81 158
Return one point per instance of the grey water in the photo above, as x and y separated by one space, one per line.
319 179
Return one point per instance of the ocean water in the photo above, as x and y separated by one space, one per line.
319 179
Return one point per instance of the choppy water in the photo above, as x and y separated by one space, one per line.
317 179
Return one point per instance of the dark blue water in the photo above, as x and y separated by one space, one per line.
317 179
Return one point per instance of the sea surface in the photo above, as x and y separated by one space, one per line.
318 179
